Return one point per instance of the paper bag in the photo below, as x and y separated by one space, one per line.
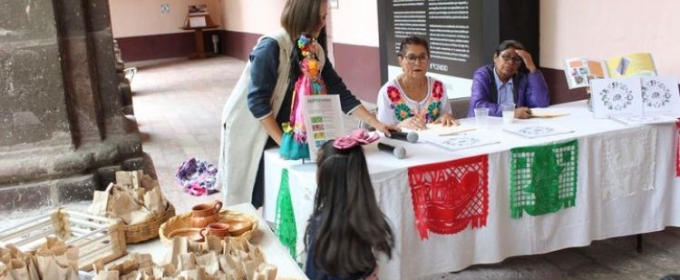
209 262
107 275
19 271
149 183
265 272
195 274
179 246
100 201
186 262
131 179
215 244
253 260
125 207
153 200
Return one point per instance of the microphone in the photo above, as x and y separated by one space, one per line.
404 136
398 152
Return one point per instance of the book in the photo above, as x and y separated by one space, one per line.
460 142
579 71
536 130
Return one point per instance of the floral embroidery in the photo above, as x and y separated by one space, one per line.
394 94
437 90
402 111
433 110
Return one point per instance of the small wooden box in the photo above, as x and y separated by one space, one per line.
97 238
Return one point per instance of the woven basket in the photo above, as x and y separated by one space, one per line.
148 229
182 221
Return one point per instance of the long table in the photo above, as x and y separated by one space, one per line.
626 184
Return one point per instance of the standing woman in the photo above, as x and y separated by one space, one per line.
261 101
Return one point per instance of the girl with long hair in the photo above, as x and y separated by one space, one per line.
347 229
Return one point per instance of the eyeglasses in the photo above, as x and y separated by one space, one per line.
412 58
511 58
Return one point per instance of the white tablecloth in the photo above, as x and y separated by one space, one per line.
605 205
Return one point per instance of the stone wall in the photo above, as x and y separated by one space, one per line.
63 127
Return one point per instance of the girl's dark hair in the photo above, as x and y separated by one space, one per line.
351 228
413 40
508 44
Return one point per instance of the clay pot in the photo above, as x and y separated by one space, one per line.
204 214
239 227
219 230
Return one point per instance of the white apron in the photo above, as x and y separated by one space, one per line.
243 136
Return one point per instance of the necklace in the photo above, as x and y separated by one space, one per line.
415 90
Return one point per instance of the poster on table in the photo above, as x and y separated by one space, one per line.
323 120
616 97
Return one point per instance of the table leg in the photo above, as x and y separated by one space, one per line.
198 40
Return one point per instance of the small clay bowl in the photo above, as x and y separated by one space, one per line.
219 229
193 234
239 227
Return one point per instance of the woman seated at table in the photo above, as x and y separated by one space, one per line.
413 99
502 82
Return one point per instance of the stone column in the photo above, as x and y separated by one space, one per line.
63 132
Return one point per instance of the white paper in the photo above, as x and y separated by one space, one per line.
197 22
440 130
460 142
660 95
323 120
616 97
536 130
640 120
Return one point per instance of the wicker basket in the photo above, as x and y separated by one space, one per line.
182 221
148 229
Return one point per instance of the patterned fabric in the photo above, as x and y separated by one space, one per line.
402 111
197 176
449 196
543 178
677 158
294 141
286 230
628 163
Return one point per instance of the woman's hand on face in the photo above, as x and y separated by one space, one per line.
415 123
446 120
528 60
523 113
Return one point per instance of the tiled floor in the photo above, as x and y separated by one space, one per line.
178 106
